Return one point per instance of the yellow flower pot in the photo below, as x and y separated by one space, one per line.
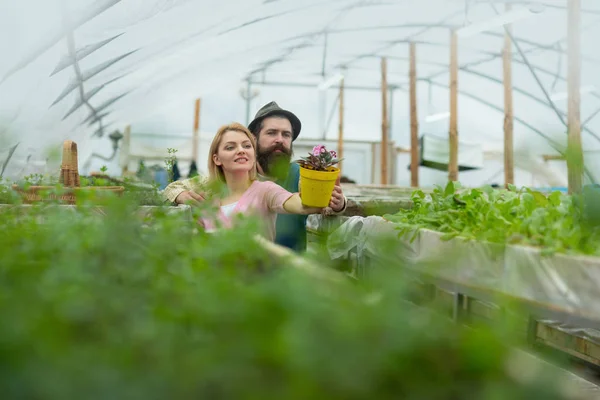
316 187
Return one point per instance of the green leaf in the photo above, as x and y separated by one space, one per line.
449 236
540 199
528 201
449 190
554 198
487 189
418 193
415 235
457 200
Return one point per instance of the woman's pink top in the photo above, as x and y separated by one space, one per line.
264 199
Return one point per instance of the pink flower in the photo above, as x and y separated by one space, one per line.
317 150
319 159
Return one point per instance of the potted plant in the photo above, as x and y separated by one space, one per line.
318 176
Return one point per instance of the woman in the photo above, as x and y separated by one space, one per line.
232 162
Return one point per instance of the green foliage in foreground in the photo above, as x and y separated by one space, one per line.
556 223
113 307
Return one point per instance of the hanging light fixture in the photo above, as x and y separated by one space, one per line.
326 84
431 115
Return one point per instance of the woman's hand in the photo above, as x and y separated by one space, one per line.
190 197
336 204
294 205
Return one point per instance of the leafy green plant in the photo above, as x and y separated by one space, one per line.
39 180
170 161
553 222
319 159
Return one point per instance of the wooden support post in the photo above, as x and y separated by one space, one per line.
414 124
126 148
373 161
195 138
340 149
384 123
574 148
453 134
509 168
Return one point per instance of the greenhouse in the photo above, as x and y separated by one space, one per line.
342 199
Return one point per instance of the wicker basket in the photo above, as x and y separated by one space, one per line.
69 179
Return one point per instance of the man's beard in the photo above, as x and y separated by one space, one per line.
274 164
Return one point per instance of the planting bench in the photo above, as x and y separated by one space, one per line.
560 292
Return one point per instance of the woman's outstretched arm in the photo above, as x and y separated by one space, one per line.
293 205
281 201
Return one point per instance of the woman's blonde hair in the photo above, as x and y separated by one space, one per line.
215 172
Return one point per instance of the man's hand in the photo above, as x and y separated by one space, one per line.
337 197
189 197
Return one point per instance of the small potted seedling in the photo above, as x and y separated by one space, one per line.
317 176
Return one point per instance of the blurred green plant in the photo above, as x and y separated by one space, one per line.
105 304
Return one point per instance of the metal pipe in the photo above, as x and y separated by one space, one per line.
312 85
73 54
537 79
10 154
248 96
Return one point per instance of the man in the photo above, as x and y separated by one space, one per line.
275 130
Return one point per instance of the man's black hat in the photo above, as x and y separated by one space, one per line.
271 109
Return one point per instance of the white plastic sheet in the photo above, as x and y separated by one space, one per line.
146 61
571 282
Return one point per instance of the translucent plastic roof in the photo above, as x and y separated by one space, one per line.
143 62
